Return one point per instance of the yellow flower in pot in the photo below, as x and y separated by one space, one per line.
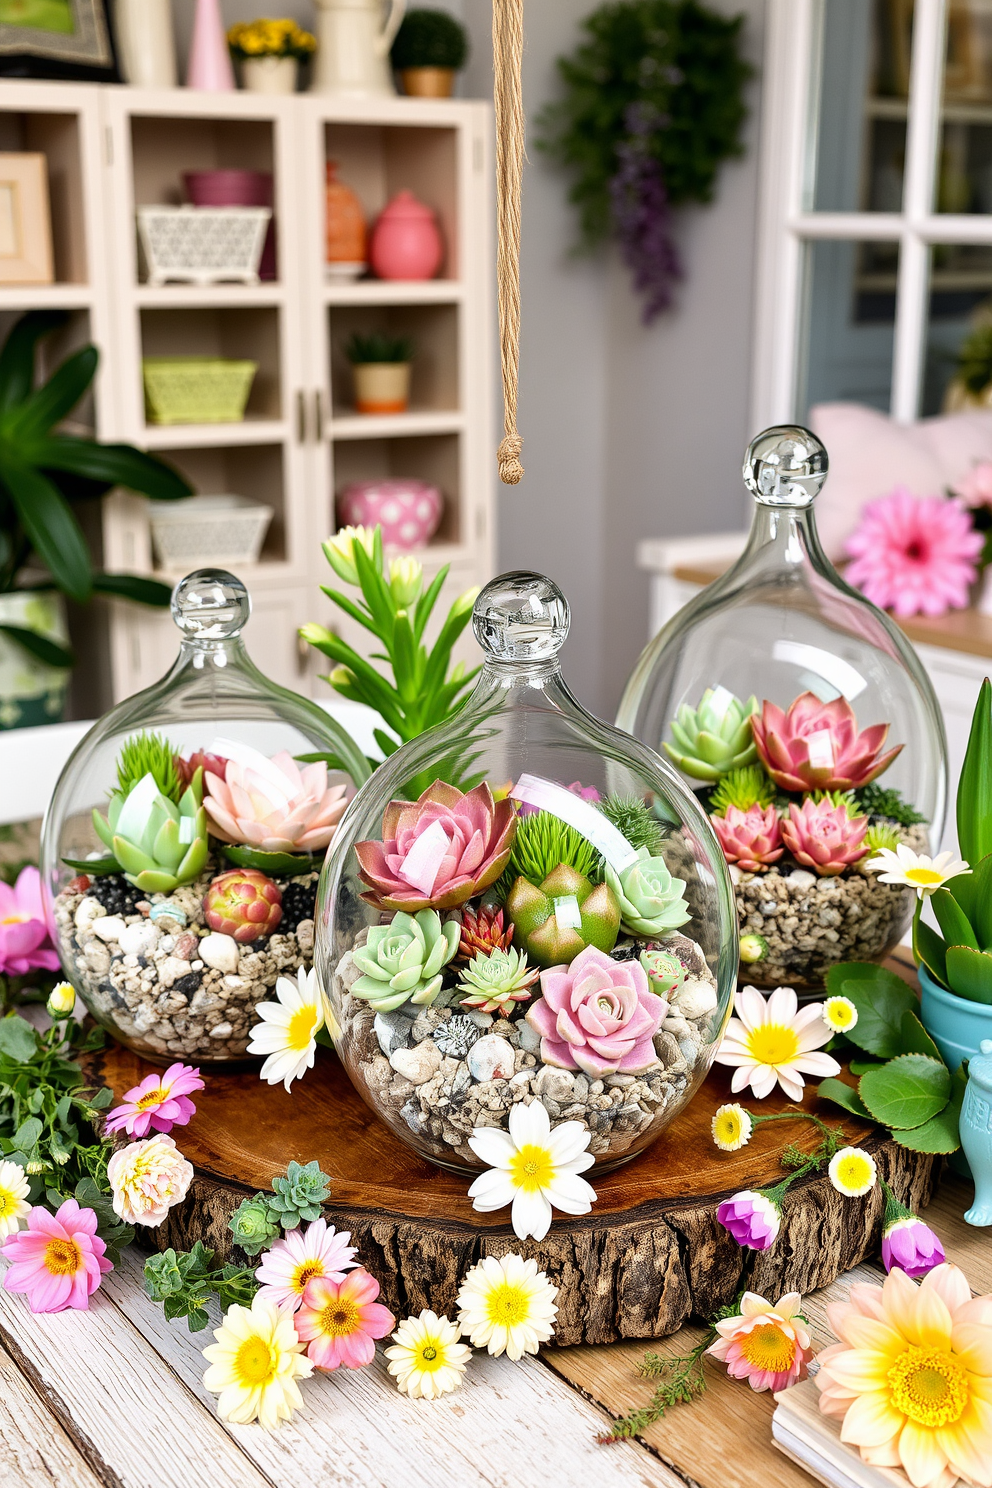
381 366
270 53
429 49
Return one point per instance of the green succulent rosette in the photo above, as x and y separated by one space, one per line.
715 738
253 1225
157 843
665 972
299 1195
650 899
555 920
402 961
494 982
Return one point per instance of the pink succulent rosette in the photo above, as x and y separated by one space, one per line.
597 1015
438 851
817 746
200 760
25 944
274 804
59 1260
752 839
822 836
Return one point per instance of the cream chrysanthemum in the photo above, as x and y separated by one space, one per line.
839 1014
14 1207
852 1172
426 1357
916 870
507 1306
287 1033
731 1127
774 1041
255 1363
532 1168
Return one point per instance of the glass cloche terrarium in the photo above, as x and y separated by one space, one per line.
525 904
803 720
182 846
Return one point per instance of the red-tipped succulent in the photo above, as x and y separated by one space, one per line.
817 746
483 933
752 839
439 851
822 836
187 768
244 904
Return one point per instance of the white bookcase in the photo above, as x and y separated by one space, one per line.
112 149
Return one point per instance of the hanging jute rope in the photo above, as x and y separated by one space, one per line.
508 48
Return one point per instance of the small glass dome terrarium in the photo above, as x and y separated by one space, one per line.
804 722
525 904
182 846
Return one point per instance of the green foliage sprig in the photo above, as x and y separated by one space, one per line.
376 346
882 801
744 787
975 359
542 843
634 821
429 38
148 754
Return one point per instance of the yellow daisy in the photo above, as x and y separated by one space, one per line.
13 1198
839 1014
852 1172
426 1358
507 1306
255 1363
732 1127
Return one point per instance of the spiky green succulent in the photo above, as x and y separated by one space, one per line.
881 835
634 821
157 843
839 798
495 982
402 961
745 787
148 754
876 800
544 842
715 738
299 1195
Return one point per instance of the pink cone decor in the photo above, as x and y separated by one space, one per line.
25 944
58 1261
752 839
210 67
817 746
822 836
597 1015
915 555
275 805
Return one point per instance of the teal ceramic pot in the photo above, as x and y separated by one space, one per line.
956 1025
976 1133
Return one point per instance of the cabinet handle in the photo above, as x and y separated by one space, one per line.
318 415
301 417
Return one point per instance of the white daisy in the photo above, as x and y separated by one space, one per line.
839 1014
731 1127
771 1041
287 1033
507 1306
14 1206
533 1168
916 870
852 1172
426 1358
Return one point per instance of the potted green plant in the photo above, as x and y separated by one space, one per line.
44 556
381 365
429 49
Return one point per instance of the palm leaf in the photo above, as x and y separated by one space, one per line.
41 647
113 465
59 396
133 586
51 527
18 355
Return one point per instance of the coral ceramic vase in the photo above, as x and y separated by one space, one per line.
210 67
346 229
406 241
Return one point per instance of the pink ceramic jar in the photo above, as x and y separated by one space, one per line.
408 511
406 241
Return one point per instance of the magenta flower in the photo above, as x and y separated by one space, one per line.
912 1246
318 1252
58 1261
340 1320
159 1103
752 1218
914 554
25 944
597 1015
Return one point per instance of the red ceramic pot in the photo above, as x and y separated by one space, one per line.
406 241
236 188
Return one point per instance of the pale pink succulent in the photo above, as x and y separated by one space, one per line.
597 1015
438 851
816 746
822 836
752 839
274 804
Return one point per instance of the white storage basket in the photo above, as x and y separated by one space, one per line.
203 245
208 531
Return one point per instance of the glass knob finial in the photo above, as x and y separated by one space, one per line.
521 616
785 466
211 605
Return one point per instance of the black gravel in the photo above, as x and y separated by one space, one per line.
299 901
117 896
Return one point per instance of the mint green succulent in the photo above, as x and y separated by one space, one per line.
402 961
494 982
254 1225
715 738
745 787
157 843
665 972
650 899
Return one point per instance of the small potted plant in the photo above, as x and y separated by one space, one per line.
381 366
429 49
270 53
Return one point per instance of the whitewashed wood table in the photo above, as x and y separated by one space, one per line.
114 1397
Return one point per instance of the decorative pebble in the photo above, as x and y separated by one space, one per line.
556 1085
417 1064
221 1030
530 1039
171 969
491 1058
168 911
138 939
457 1036
186 945
392 1030
87 911
695 999
110 927
304 937
799 878
219 951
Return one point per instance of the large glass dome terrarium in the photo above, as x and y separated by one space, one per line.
805 724
525 904
182 846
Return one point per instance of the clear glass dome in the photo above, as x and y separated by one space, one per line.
805 724
181 849
525 904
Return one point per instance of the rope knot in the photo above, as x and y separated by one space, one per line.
508 455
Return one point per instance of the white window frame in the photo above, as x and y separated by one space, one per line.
785 227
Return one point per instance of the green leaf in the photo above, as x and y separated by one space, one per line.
953 921
29 1133
858 1066
53 531
113 465
940 1133
41 647
17 359
94 866
969 973
56 399
18 1039
133 587
275 864
907 1091
973 892
881 998
915 1039
930 950
974 805
843 1095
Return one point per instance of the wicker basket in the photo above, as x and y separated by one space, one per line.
208 531
203 245
196 390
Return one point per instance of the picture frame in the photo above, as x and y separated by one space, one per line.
25 220
70 40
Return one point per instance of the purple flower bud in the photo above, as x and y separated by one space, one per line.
752 1218
912 1246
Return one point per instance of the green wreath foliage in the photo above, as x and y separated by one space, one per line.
676 59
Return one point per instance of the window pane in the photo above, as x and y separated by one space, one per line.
862 103
849 305
960 305
964 173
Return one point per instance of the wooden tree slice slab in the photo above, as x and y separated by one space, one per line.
650 1254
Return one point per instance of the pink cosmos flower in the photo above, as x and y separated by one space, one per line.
25 944
159 1103
316 1253
58 1261
914 554
340 1320
767 1344
975 488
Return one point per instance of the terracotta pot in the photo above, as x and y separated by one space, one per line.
406 241
273 75
346 231
428 82
382 387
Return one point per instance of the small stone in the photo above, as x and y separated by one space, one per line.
220 951
88 910
799 880
418 1064
491 1058
168 911
530 1039
171 969
186 946
393 1032
426 1020
457 1036
110 927
555 1085
97 958
139 939
618 1079
304 937
415 1118
480 1019
696 999
221 1030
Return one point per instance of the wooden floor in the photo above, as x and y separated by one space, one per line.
115 1397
